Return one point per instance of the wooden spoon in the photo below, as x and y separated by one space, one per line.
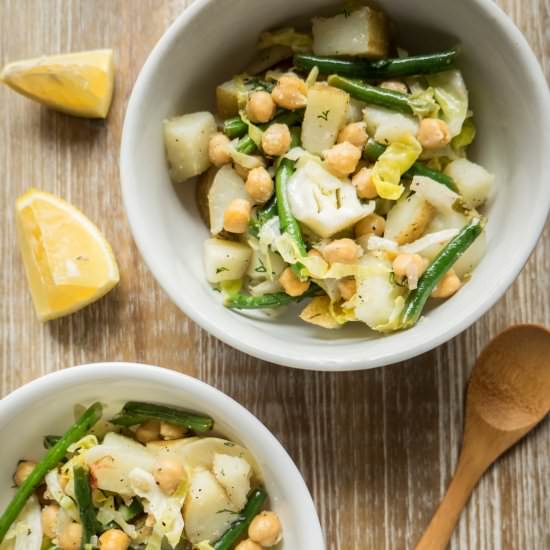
508 395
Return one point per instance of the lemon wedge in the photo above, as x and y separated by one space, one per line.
68 262
80 84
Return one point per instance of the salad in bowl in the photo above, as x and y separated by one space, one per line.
152 477
336 171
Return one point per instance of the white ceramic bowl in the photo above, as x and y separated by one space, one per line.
45 406
214 39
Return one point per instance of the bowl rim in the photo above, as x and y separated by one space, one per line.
278 356
22 398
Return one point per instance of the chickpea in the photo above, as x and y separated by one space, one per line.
171 431
260 107
410 266
447 286
291 284
266 529
433 133
395 86
314 253
355 133
290 92
147 528
347 288
49 520
70 537
237 216
342 159
148 431
114 539
342 251
248 544
168 474
276 140
373 224
364 184
218 149
23 471
259 185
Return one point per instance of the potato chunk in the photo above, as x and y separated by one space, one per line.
363 32
408 219
233 474
207 511
225 260
186 140
325 115
225 187
473 181
227 99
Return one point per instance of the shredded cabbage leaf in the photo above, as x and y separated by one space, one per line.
254 133
399 156
423 103
299 42
379 300
242 159
165 509
439 196
312 77
452 95
107 513
323 203
466 136
56 492
26 533
429 240
230 288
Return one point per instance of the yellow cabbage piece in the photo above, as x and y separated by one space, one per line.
399 156
287 36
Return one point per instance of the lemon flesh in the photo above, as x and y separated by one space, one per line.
68 262
79 84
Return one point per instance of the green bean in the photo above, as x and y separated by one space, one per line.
235 127
389 99
133 510
374 150
383 69
436 271
247 146
83 494
135 412
53 457
271 208
239 527
269 301
262 216
288 222
50 440
295 136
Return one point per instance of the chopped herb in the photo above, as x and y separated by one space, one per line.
324 115
229 444
221 269
261 268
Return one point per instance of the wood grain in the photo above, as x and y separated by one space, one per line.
376 448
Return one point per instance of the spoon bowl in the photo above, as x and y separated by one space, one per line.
508 395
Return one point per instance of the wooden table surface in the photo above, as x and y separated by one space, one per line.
376 448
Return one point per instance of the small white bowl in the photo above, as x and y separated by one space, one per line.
45 406
214 39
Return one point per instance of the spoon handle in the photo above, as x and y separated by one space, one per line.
467 475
